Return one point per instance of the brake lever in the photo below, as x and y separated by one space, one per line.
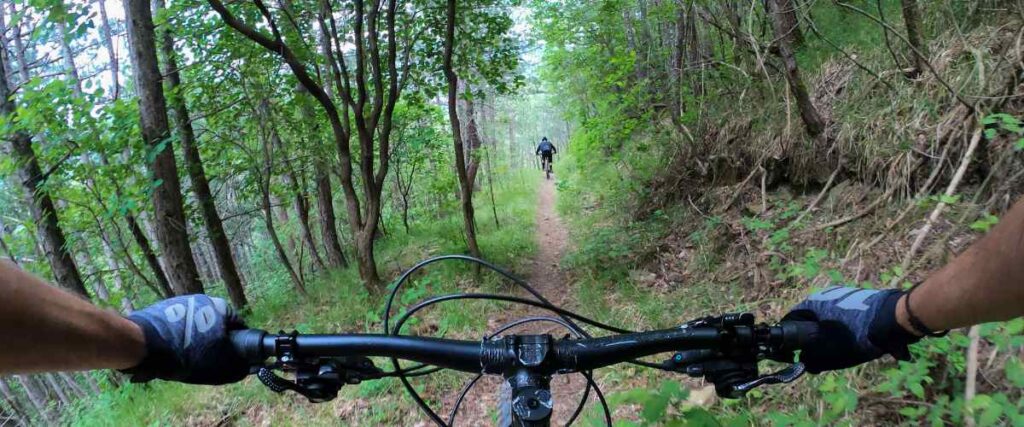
787 375
321 380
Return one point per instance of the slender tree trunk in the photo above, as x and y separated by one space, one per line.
57 388
20 414
808 112
78 391
512 154
197 174
490 184
678 61
99 286
786 13
465 184
170 218
268 218
111 261
19 46
36 396
472 144
299 203
108 43
41 206
68 56
912 20
142 240
328 229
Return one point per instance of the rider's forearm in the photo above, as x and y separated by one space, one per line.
983 284
54 330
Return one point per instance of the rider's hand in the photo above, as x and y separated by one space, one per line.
856 326
187 341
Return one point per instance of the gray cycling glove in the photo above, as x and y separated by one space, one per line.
187 341
856 326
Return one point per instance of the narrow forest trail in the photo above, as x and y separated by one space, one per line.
552 241
546 277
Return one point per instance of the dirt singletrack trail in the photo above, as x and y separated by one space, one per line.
552 240
548 279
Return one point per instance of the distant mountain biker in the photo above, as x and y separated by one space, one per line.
185 338
546 150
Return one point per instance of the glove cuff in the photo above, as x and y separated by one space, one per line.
160 360
886 333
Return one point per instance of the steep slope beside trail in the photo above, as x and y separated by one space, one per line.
548 279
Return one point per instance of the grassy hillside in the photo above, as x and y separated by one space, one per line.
747 213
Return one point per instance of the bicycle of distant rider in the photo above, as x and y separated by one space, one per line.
546 159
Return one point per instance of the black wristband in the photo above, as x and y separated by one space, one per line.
916 322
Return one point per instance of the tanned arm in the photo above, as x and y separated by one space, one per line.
983 284
43 328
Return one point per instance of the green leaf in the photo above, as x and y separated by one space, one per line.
985 223
913 411
1015 372
949 200
917 389
699 417
990 415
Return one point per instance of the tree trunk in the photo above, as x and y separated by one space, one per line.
512 153
170 218
5 43
111 261
268 218
19 47
197 174
19 412
37 397
68 56
325 197
58 389
299 203
99 286
786 14
808 112
465 184
912 20
108 43
41 206
472 142
328 229
72 384
151 259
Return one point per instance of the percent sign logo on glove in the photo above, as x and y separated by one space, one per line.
201 320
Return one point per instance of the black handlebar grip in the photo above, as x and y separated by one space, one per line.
249 344
797 335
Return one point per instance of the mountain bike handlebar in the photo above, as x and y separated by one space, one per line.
724 349
497 356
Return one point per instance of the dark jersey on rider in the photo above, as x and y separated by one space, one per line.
546 149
